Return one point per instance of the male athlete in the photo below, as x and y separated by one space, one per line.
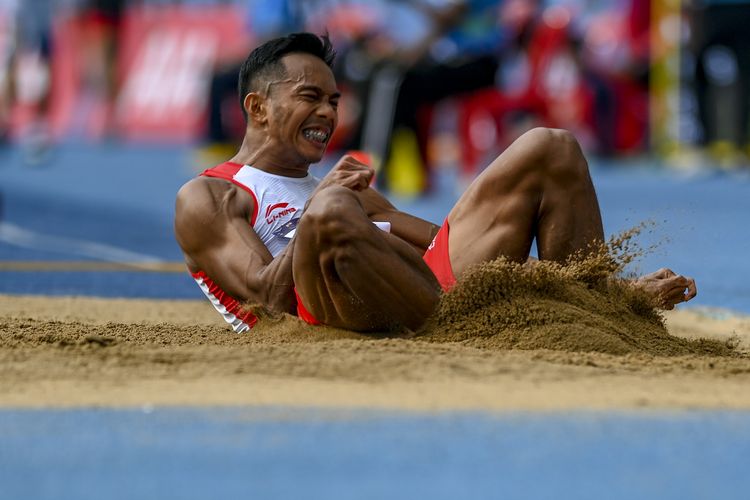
259 228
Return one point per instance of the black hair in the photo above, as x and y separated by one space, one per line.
264 61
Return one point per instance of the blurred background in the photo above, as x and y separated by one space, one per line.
426 83
107 107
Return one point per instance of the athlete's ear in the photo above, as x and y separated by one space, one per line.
255 106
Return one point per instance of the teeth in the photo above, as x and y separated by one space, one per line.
316 135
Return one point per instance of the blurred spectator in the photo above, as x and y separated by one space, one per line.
503 65
100 26
31 70
419 54
540 82
574 65
721 44
615 54
8 10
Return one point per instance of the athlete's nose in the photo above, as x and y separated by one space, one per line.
328 111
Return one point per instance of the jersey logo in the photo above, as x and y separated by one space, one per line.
272 216
273 207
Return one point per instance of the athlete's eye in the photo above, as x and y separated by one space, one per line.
309 97
334 104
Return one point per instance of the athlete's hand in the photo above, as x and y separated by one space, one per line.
667 288
349 172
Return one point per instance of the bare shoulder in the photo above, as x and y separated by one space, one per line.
206 196
205 206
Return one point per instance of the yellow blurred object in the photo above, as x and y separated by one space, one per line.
727 155
405 170
664 81
212 154
688 158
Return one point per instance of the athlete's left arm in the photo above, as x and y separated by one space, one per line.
409 228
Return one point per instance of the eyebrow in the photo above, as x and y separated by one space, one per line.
317 90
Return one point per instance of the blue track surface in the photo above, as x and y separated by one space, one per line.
240 453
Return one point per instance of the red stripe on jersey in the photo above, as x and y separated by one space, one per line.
232 305
227 171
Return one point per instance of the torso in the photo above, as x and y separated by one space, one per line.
278 200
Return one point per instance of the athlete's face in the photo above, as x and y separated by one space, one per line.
303 108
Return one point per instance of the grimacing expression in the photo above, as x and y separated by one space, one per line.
302 111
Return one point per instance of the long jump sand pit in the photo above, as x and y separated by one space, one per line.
511 348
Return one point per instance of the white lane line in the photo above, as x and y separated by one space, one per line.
89 265
20 237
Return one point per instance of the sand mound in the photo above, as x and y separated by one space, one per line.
580 307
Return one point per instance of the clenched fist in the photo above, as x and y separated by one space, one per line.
349 172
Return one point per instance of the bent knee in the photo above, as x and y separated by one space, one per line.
334 217
545 153
551 141
561 153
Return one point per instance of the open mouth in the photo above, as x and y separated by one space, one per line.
318 136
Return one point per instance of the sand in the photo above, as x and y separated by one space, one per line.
73 352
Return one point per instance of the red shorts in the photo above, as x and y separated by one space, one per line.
303 313
436 257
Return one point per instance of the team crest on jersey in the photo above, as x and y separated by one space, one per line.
287 229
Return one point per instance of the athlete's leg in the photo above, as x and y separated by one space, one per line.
538 188
352 275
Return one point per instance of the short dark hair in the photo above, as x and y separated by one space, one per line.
264 61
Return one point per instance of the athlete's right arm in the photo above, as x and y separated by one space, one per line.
212 226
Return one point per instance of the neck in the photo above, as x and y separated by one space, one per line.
261 152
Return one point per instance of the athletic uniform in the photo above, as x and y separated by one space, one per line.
438 259
279 202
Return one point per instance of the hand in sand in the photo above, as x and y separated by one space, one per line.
667 288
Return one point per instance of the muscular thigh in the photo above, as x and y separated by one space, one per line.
350 274
539 187
496 214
